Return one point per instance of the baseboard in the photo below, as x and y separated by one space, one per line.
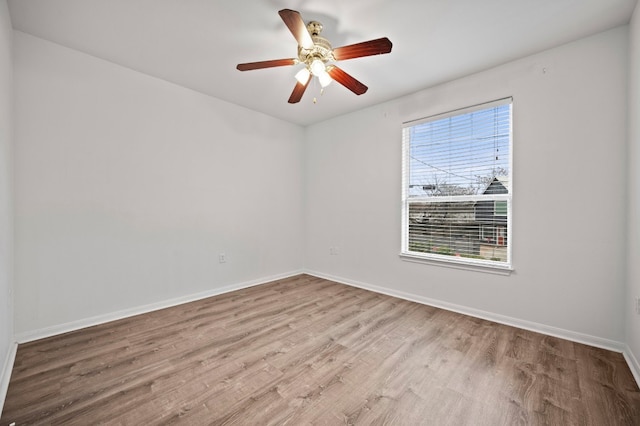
477 313
42 333
634 365
6 373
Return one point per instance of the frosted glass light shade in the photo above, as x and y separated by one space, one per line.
303 76
325 79
317 67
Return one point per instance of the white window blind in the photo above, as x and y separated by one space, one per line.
457 187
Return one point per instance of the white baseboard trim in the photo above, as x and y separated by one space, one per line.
502 319
634 365
42 333
6 373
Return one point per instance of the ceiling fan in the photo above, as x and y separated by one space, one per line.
316 53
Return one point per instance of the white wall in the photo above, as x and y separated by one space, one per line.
569 192
633 219
6 200
128 188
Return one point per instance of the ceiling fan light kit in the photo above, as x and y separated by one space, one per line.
316 53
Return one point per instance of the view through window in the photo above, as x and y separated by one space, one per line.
457 186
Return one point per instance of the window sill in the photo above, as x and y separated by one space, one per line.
458 264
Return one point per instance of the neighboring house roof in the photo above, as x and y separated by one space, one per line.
499 185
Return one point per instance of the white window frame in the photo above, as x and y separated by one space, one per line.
500 267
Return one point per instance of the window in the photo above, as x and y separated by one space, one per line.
500 208
457 186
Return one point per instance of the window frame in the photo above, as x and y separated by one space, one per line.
500 267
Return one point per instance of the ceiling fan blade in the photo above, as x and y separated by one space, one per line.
366 48
298 91
266 64
346 80
298 28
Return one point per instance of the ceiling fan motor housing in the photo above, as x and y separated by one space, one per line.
321 49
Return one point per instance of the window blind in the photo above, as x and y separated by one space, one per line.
457 185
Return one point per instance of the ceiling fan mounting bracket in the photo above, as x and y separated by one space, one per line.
314 28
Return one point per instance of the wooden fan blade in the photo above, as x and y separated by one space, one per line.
346 80
298 91
266 64
366 48
298 28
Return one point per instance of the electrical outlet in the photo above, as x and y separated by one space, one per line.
334 251
638 305
222 258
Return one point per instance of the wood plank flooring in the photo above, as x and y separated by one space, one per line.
307 351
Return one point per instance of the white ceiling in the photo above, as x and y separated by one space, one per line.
197 43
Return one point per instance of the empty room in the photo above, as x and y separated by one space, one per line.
319 212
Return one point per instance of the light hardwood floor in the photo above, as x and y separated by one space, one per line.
309 351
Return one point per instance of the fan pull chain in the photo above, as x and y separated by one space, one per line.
315 100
